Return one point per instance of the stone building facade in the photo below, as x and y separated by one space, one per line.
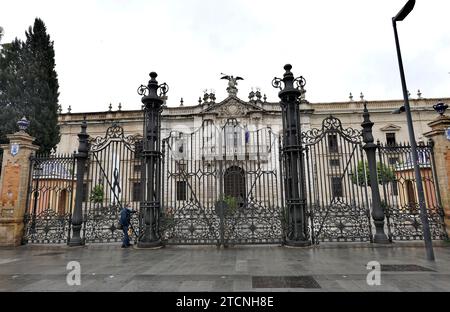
256 113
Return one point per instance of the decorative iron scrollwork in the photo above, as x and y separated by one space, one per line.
300 82
331 124
114 133
143 90
163 89
191 187
278 83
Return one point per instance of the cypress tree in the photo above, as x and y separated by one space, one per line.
29 87
42 87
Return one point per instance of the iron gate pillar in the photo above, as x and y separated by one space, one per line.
295 191
377 210
153 100
80 157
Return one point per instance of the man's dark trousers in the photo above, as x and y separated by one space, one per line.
126 238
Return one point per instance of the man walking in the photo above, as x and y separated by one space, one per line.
125 219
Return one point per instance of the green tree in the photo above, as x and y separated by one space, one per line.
97 194
29 86
12 85
42 87
384 173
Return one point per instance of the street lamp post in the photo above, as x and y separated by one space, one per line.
420 192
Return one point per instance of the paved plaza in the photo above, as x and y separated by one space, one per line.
332 267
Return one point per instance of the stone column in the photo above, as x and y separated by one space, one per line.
14 186
442 161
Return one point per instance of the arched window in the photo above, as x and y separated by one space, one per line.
234 183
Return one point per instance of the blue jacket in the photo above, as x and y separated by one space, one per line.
125 216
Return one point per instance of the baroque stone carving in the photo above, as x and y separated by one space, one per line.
232 109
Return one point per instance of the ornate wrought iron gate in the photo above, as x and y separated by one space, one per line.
50 199
224 185
399 194
221 185
336 183
112 180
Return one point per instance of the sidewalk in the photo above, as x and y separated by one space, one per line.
328 267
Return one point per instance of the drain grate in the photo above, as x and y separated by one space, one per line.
404 268
284 282
50 254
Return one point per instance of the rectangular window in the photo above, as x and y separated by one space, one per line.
181 190
393 161
332 143
138 147
137 168
180 148
336 186
394 188
211 187
390 139
411 194
229 136
334 162
233 137
136 191
85 192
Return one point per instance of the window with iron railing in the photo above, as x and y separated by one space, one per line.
411 194
336 187
394 188
333 143
390 139
181 190
136 192
393 160
334 162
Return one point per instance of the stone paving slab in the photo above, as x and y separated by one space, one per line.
209 269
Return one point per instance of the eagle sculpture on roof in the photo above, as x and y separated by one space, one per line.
232 81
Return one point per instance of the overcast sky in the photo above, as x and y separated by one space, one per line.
106 48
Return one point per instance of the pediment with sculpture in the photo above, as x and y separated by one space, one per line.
232 107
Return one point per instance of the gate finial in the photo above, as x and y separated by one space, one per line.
367 125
